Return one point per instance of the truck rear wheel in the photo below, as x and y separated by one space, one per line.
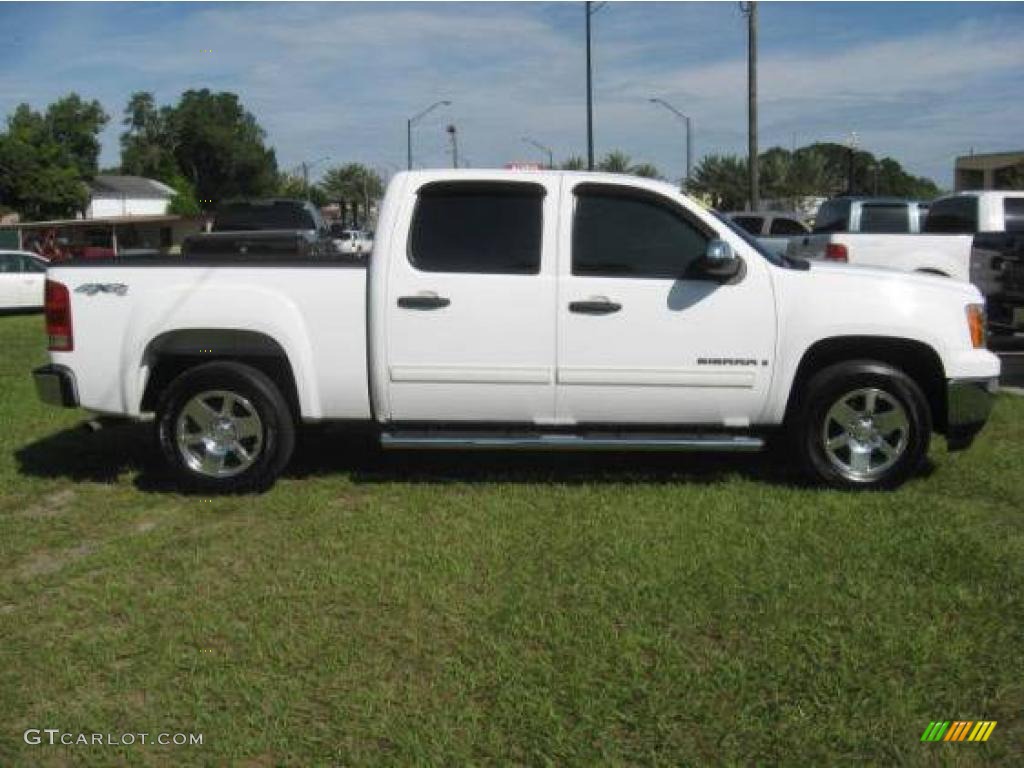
862 425
224 427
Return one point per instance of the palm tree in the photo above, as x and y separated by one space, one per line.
355 184
615 162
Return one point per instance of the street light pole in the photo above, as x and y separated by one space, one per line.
689 137
415 119
542 148
455 145
750 10
589 9
305 165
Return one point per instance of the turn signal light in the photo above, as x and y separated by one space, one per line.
976 324
836 252
57 308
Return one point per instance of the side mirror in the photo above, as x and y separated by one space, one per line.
720 260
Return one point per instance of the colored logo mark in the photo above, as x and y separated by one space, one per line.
958 730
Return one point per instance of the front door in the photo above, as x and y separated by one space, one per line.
471 304
643 336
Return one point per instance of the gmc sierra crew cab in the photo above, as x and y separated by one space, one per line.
527 310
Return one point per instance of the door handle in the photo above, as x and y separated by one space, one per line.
423 301
599 306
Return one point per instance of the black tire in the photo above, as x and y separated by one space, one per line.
249 388
815 421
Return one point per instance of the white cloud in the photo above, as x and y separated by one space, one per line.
341 79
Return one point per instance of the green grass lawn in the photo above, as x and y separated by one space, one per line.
535 609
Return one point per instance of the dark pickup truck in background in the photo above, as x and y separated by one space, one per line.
997 269
273 229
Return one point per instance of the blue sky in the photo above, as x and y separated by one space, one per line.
922 82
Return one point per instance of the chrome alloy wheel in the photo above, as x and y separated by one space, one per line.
865 433
219 434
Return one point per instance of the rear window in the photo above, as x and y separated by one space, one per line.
885 218
488 228
1013 212
953 215
787 227
750 223
255 216
833 216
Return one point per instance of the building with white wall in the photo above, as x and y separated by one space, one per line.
127 196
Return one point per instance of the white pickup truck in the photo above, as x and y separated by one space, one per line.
526 310
939 245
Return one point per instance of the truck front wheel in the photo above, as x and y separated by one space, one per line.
224 427
862 424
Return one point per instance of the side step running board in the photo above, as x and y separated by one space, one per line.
527 441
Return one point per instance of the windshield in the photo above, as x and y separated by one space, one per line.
776 259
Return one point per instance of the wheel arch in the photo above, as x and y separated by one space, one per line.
171 353
915 358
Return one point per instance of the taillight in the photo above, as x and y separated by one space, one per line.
836 252
57 303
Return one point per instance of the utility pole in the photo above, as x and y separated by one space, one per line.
689 137
750 10
455 145
412 121
589 9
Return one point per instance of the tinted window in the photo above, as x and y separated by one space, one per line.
787 227
750 223
1013 212
8 264
956 215
884 218
618 232
491 228
833 216
255 216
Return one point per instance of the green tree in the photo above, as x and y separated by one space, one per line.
293 186
44 160
722 179
208 138
148 142
220 148
75 126
574 163
355 185
184 202
615 161
646 170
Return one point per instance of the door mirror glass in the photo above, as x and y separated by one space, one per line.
720 260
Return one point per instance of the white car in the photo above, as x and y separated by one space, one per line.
22 275
527 310
936 242
353 241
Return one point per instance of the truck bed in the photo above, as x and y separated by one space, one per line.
947 255
314 309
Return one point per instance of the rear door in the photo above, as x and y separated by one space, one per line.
643 337
471 303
